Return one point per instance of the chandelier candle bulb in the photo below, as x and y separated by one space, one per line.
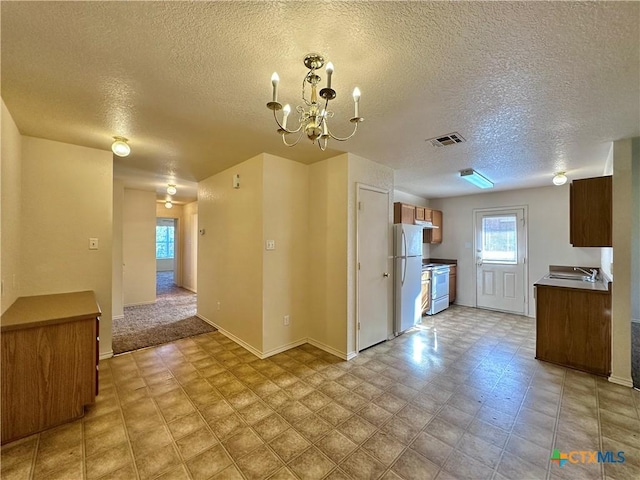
285 113
323 119
356 101
274 81
329 73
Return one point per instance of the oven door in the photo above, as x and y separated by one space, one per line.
439 284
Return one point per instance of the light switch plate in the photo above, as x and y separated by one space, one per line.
93 244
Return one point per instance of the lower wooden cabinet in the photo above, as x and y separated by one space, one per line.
573 328
49 361
453 277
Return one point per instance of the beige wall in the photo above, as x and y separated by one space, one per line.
548 235
376 175
117 260
190 244
328 242
309 211
10 173
230 254
623 211
67 197
139 247
285 275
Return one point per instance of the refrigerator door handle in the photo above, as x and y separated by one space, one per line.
404 244
404 269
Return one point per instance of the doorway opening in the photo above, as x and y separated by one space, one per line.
166 271
501 259
173 314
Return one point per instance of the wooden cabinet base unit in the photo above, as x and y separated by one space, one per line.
573 328
453 280
49 360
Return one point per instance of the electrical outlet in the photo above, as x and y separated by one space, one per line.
286 320
271 244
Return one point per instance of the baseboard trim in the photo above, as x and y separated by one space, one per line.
231 336
117 317
328 349
138 304
283 348
105 355
192 290
625 382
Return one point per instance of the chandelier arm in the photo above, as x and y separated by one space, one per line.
304 80
322 143
342 139
285 130
291 144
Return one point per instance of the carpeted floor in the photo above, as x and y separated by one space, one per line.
172 317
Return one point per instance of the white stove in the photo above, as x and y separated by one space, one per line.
439 286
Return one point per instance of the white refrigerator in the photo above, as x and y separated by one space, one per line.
407 268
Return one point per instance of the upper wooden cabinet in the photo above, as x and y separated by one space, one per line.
590 212
434 235
404 213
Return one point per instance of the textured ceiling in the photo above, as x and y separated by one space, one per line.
534 87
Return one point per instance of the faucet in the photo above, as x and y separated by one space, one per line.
592 273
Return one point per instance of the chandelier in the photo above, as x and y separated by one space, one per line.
314 114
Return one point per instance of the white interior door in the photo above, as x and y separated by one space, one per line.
501 252
374 279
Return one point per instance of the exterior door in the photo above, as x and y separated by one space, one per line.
501 252
374 280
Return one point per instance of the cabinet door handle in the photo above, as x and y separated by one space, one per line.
385 274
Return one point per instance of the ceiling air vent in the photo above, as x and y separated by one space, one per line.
448 139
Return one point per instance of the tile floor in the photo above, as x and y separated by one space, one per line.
460 397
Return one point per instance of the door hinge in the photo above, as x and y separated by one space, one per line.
358 325
360 206
358 265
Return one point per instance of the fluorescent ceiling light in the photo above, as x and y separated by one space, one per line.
471 176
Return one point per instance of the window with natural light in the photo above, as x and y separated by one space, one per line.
164 241
500 239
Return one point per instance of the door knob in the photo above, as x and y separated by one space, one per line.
385 274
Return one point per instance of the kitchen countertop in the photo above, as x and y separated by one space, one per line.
40 310
602 284
442 261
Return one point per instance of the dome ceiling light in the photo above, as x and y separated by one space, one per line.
171 189
120 147
559 179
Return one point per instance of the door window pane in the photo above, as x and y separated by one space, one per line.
500 239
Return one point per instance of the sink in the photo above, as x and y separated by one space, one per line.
568 276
